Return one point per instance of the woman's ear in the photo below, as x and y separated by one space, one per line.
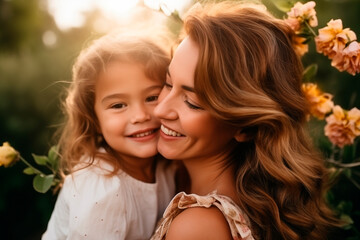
240 136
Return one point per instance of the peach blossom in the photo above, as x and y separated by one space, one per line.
337 128
349 59
304 13
333 38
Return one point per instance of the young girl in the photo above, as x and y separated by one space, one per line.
117 187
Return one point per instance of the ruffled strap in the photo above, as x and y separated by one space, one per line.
236 218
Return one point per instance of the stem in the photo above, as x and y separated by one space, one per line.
353 182
37 171
344 165
310 28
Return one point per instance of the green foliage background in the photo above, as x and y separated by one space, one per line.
32 82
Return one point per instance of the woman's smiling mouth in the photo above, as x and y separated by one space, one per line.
170 132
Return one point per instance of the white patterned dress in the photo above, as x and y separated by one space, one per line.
238 221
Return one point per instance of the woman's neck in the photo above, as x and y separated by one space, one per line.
211 175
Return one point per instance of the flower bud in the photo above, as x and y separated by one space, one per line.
8 155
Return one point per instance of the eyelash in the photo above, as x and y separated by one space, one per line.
190 105
167 85
152 98
118 106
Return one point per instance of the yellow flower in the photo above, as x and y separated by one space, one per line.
320 103
8 155
333 39
338 129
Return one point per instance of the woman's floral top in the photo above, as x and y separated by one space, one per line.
238 221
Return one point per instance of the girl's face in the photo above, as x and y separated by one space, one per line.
124 103
188 131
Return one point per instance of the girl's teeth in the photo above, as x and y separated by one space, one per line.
143 134
169 132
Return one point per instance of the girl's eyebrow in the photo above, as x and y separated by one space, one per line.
125 95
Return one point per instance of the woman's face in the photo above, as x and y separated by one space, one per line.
188 131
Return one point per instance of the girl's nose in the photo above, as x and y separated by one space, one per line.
140 114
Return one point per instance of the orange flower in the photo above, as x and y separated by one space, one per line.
320 103
349 59
354 120
338 129
299 46
333 38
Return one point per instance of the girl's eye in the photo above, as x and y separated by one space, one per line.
152 98
118 106
192 106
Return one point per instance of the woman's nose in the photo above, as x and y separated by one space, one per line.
140 114
166 108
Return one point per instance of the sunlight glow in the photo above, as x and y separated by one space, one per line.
71 13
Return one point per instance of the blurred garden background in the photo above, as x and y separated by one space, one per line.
39 41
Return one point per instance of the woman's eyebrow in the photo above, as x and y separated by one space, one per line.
187 88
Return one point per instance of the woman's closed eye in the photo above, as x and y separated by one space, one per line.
167 85
192 105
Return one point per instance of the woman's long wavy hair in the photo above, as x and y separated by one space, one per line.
81 136
248 75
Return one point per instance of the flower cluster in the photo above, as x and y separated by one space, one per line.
342 126
333 41
339 45
301 18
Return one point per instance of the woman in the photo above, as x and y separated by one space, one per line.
232 110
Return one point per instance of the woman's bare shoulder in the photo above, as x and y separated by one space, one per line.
199 223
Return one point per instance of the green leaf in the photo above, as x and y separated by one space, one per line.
53 152
41 160
347 220
53 157
284 5
29 171
43 183
310 72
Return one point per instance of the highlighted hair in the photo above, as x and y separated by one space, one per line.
249 76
